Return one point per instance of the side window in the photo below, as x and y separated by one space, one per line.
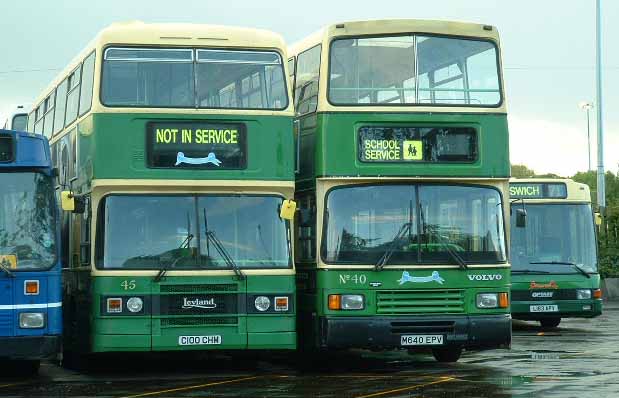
73 98
61 101
31 117
49 114
88 73
84 220
38 117
306 84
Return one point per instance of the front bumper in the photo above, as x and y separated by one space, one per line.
470 332
567 309
30 347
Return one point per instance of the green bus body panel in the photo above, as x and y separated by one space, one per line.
245 330
567 308
329 145
113 146
385 296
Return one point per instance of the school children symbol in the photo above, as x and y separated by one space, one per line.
435 277
412 150
211 158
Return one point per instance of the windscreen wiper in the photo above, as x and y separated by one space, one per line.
6 270
451 251
164 269
529 271
382 261
210 237
579 269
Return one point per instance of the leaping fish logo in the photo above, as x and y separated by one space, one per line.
211 158
435 277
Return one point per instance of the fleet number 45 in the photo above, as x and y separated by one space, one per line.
128 285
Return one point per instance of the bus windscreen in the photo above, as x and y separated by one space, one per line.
414 69
27 221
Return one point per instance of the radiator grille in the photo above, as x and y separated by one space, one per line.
551 294
198 321
198 288
434 301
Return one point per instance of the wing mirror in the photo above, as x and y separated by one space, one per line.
598 218
521 218
287 209
73 203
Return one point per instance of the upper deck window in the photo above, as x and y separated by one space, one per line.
20 122
240 79
187 78
414 69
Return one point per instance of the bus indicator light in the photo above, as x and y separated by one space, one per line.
597 293
114 305
31 288
503 300
335 301
281 303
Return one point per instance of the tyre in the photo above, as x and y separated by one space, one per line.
29 367
447 355
550 322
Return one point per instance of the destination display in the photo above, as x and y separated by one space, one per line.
526 190
417 144
196 145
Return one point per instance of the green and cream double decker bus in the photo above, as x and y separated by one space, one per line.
554 254
176 154
402 186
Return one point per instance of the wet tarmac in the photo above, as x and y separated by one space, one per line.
580 359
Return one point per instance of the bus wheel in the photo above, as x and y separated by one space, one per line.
30 367
451 354
550 322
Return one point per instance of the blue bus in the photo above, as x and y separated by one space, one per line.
30 269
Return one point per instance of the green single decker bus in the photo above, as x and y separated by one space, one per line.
402 185
176 154
554 254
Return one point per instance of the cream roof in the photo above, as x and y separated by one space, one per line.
393 27
173 34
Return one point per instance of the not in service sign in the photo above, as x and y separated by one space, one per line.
197 145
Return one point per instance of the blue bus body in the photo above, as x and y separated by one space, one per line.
30 269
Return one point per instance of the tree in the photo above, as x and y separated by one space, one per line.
522 171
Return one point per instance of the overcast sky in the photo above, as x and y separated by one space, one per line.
548 54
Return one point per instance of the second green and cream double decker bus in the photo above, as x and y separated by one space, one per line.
175 149
402 187
554 255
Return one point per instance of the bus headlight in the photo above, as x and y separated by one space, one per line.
135 304
352 302
492 300
346 302
262 303
583 294
487 300
31 320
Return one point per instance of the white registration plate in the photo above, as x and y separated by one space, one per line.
544 308
199 340
421 339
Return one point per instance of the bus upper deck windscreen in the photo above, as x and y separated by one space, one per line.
414 69
190 78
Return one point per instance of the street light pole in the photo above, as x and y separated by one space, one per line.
587 106
601 189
